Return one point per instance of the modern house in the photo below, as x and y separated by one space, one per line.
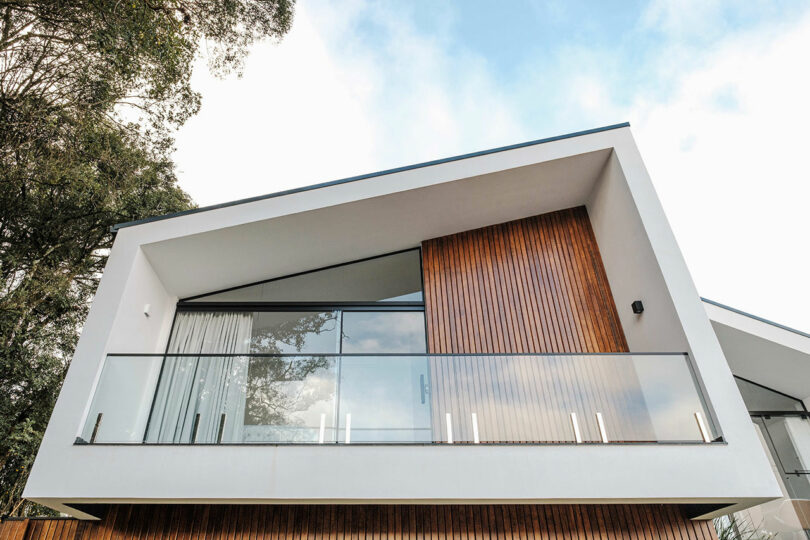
501 344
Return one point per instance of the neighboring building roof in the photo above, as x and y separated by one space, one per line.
370 175
763 351
760 319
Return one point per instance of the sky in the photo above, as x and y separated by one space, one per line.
717 95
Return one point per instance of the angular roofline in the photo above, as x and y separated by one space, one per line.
750 316
118 226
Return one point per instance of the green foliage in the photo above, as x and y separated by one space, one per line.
90 93
735 528
271 399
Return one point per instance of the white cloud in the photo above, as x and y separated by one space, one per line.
727 155
287 122
322 106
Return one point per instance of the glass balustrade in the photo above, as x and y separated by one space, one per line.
786 437
398 399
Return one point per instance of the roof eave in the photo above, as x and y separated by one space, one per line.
366 176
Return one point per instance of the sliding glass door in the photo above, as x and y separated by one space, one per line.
295 359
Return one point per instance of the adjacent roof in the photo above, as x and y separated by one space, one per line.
763 351
760 319
369 175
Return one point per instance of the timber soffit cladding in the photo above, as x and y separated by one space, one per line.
534 285
337 522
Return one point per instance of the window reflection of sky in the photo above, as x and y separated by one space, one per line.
285 399
383 332
384 397
316 332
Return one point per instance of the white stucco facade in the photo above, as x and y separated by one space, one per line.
159 262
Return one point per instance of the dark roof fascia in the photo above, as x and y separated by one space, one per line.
115 228
760 319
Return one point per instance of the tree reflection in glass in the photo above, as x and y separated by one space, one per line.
287 395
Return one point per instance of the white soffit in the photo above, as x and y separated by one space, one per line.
761 351
224 257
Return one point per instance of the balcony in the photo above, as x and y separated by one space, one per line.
398 399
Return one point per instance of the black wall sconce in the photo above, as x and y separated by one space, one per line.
638 307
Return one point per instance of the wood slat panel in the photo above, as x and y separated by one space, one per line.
532 285
371 522
535 285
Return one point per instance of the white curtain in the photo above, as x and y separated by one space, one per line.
206 385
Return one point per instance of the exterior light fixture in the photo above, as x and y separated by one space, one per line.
638 307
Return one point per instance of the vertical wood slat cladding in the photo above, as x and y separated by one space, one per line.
534 285
528 286
356 522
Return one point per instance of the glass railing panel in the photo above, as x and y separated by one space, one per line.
399 398
290 399
193 394
785 437
566 398
672 399
502 399
120 407
788 439
782 519
384 399
243 399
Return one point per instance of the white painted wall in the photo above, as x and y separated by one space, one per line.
631 266
132 329
117 321
702 344
674 320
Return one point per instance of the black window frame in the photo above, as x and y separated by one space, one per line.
780 412
186 305
761 418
